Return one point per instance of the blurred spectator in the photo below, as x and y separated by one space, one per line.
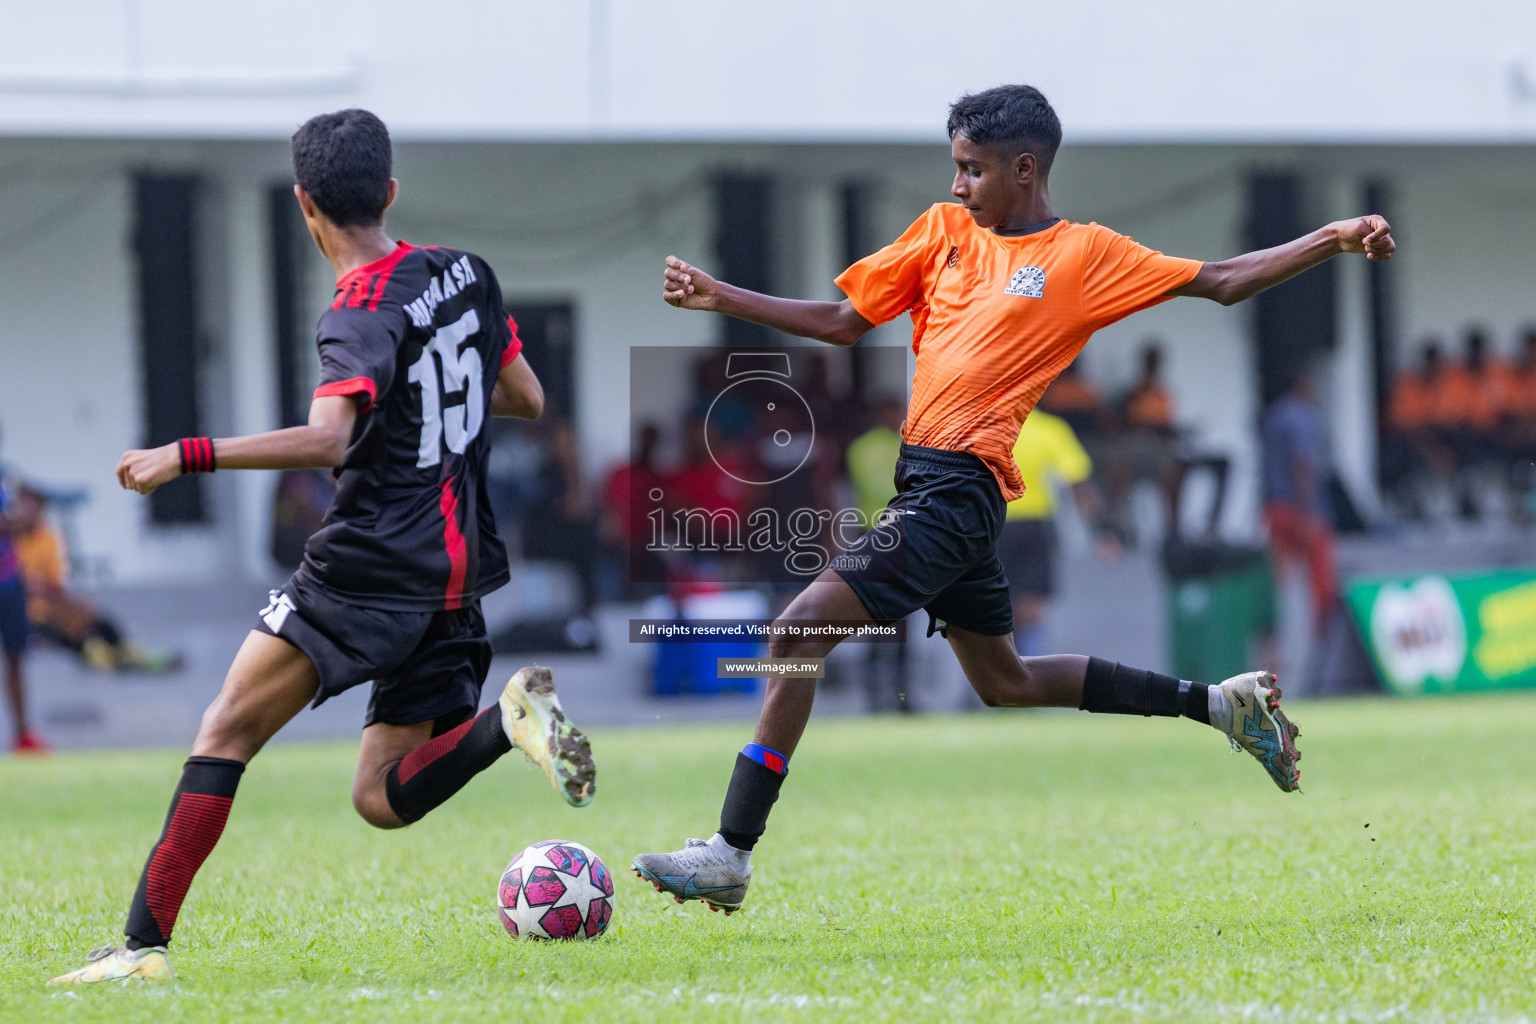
1295 457
14 632
872 459
1073 398
630 568
1414 446
1470 399
1479 389
298 508
70 620
1149 405
871 462
1515 438
1520 400
1144 448
563 526
1048 455
708 481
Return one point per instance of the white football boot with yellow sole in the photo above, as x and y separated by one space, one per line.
117 963
536 724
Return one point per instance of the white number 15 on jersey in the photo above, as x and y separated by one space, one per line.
462 371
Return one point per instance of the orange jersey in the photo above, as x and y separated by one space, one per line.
1520 400
1412 403
995 318
1150 406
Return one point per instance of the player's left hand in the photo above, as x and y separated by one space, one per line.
1370 234
144 469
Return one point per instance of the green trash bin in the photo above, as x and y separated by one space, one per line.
1221 603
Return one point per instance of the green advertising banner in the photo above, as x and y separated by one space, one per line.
1449 632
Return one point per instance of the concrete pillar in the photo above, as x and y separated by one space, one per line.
821 239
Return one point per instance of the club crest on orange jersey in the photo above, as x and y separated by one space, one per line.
1027 282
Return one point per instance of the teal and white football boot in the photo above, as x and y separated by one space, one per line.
709 870
1261 728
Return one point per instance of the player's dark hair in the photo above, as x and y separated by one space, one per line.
344 161
1017 118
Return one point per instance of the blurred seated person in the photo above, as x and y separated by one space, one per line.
70 620
1517 428
1144 446
1471 398
1520 402
1416 419
1075 399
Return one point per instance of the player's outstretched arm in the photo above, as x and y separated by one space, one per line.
1245 276
320 444
518 391
836 323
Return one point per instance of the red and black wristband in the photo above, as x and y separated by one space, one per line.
197 455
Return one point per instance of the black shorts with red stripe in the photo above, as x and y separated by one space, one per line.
424 665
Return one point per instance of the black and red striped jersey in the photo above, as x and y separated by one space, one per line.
417 338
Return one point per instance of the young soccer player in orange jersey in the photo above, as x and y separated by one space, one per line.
1003 294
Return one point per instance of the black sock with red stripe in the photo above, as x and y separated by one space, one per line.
199 809
440 767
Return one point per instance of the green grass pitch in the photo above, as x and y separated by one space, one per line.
1002 866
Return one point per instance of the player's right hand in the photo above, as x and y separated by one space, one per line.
144 469
688 287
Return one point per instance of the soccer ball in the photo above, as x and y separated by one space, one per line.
556 889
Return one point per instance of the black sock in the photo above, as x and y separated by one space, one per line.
753 790
1112 688
440 767
199 808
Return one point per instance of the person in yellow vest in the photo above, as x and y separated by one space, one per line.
871 459
1048 455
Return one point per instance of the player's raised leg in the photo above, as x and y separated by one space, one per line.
404 771
717 870
1246 708
269 682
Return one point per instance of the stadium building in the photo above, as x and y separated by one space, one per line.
157 281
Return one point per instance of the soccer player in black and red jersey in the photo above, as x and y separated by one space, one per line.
415 352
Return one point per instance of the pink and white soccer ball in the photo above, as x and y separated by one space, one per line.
556 889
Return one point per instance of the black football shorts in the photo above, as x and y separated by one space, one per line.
936 547
425 666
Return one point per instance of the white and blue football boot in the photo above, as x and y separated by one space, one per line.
1261 728
709 870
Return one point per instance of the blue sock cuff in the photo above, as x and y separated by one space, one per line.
770 759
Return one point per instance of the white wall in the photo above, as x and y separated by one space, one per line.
866 70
